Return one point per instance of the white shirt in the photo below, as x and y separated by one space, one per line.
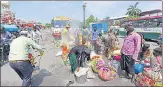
19 48
36 35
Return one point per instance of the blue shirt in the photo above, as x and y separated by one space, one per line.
94 35
6 37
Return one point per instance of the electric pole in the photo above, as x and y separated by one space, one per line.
84 6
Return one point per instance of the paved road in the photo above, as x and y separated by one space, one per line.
53 72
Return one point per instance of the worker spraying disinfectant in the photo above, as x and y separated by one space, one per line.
65 43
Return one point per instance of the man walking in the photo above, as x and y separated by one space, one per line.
18 57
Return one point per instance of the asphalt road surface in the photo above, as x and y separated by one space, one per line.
53 72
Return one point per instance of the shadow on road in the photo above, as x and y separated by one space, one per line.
38 78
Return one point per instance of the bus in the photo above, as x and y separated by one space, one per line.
58 24
150 27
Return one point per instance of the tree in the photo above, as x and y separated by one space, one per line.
47 25
133 10
91 19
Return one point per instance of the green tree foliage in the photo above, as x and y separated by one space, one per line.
133 10
91 19
47 25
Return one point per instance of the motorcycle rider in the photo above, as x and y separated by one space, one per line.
5 35
5 40
18 57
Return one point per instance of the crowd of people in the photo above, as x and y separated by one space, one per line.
133 51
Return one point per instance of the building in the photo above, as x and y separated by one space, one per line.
7 17
156 12
113 20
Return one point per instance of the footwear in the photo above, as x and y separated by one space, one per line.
127 76
70 82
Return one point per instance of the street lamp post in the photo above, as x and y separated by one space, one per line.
84 6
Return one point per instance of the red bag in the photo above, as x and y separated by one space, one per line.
105 73
117 57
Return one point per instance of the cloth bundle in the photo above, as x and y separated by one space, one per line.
106 73
97 64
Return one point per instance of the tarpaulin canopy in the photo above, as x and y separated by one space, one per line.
10 28
30 24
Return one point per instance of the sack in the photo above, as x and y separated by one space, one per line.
90 74
144 80
97 64
156 76
105 73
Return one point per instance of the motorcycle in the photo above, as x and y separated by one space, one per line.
4 50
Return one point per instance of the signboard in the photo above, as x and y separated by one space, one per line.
158 30
61 18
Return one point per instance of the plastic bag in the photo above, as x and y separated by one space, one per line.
82 71
97 64
90 74
117 57
59 53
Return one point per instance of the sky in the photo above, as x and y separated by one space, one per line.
44 11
